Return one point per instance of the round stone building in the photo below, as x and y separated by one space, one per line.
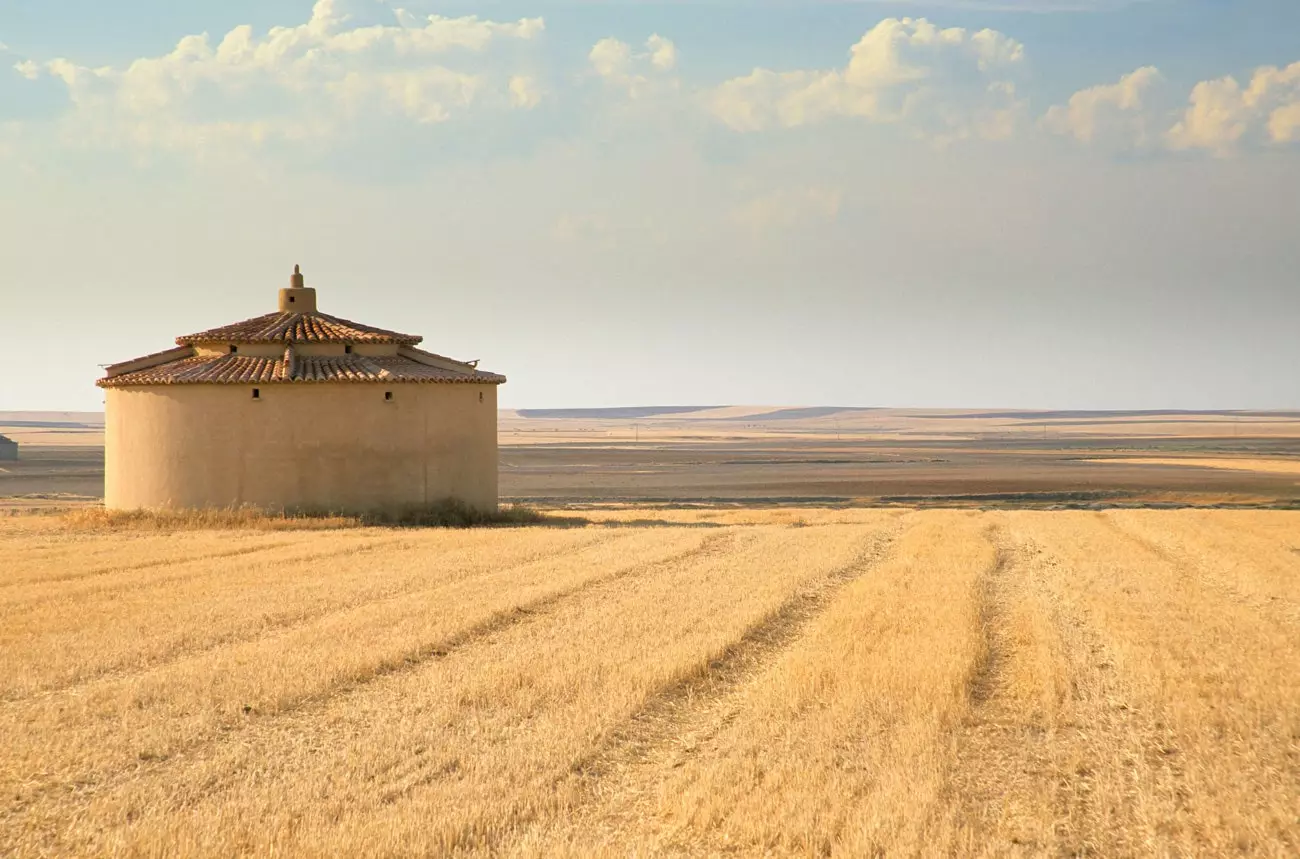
299 410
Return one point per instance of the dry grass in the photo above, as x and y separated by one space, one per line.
783 682
450 514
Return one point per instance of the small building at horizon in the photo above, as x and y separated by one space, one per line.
8 449
298 410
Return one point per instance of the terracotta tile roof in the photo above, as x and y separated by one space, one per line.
149 360
290 368
298 327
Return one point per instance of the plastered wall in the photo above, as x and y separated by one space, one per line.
339 447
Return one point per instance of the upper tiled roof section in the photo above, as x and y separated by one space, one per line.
298 328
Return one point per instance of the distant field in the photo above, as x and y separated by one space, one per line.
1270 466
675 455
787 682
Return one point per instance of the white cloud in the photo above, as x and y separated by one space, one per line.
307 80
524 92
1222 115
663 53
637 73
942 83
611 58
28 69
1284 123
1107 113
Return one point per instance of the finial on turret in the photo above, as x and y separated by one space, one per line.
296 282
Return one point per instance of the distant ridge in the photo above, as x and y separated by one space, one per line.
796 414
51 419
614 413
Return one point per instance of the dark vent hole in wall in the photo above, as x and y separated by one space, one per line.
233 348
257 393
388 395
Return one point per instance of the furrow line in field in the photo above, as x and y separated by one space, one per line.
22 601
693 701
409 661
1000 768
697 703
1275 610
64 578
272 626
987 680
1101 753
533 610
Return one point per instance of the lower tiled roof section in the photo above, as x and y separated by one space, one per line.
245 370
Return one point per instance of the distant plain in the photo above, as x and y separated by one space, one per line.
822 455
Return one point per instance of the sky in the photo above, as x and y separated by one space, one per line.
1012 203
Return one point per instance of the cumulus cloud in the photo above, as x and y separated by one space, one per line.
1222 115
525 92
296 81
1115 113
28 69
635 72
663 53
942 83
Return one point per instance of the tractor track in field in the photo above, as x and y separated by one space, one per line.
407 662
267 627
1278 611
674 721
101 589
1072 754
65 578
1001 762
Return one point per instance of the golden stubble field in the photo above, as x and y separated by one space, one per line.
746 682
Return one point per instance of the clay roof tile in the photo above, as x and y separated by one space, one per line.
296 369
298 328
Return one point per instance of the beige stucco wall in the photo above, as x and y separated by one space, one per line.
317 446
276 350
248 350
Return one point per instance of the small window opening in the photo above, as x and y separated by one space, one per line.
233 348
291 299
257 393
388 395
347 349
480 396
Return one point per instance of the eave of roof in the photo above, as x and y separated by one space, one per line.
235 369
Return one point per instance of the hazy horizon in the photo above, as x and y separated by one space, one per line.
1021 204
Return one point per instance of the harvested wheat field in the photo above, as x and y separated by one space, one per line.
742 682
